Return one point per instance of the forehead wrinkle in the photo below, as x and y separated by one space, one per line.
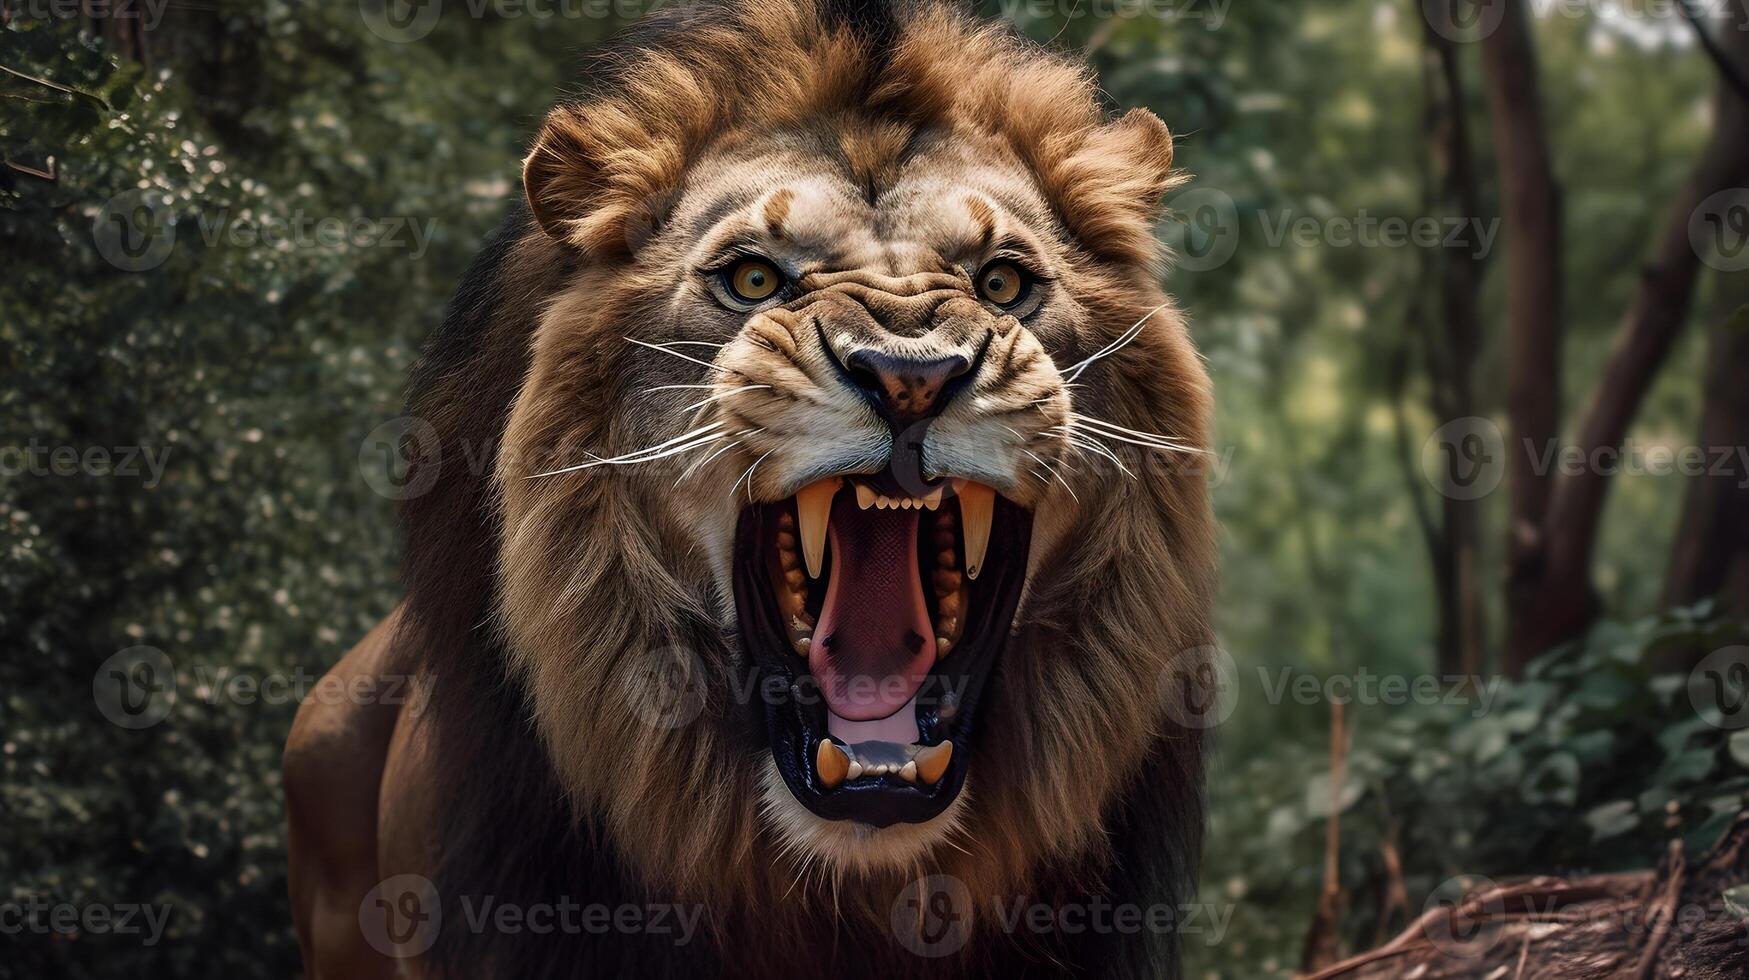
809 220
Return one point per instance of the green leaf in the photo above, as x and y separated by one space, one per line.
1737 900
1554 780
1318 795
1739 745
1612 819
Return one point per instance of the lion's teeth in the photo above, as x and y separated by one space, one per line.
855 770
813 513
943 647
932 762
909 772
977 507
831 763
933 499
865 497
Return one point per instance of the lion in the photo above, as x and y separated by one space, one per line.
802 531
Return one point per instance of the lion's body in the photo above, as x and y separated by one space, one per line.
526 776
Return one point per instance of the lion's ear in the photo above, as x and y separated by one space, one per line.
594 175
1113 184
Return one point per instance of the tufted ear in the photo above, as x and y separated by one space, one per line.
596 178
1111 186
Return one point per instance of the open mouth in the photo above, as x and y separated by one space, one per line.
876 618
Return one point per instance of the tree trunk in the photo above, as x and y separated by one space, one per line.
1531 201
1712 540
1554 521
1452 352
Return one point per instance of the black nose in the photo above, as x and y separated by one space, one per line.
906 389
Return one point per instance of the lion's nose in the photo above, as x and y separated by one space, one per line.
906 389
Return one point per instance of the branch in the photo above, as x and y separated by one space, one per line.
1727 68
1643 341
67 90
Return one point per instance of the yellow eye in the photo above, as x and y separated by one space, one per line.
1002 283
753 280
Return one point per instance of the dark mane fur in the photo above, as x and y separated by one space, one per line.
509 831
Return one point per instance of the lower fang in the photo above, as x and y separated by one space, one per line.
943 646
831 763
803 644
932 762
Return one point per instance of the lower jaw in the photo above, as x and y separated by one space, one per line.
941 718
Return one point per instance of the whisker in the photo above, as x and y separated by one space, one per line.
690 440
748 476
692 343
1042 462
1096 446
698 464
1123 340
675 353
1054 473
735 391
631 459
1111 430
706 461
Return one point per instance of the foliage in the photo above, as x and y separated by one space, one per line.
1591 763
254 370
250 368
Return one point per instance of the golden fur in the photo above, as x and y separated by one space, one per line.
887 163
602 565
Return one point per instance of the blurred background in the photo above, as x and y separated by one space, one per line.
1443 257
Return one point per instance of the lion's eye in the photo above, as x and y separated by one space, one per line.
752 281
1003 283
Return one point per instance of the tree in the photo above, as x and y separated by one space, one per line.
1449 351
1555 516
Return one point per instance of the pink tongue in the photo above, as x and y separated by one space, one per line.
873 645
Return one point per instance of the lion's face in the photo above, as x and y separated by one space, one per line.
851 398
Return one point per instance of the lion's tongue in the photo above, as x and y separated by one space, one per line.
874 643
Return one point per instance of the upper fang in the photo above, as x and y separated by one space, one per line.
813 512
977 507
